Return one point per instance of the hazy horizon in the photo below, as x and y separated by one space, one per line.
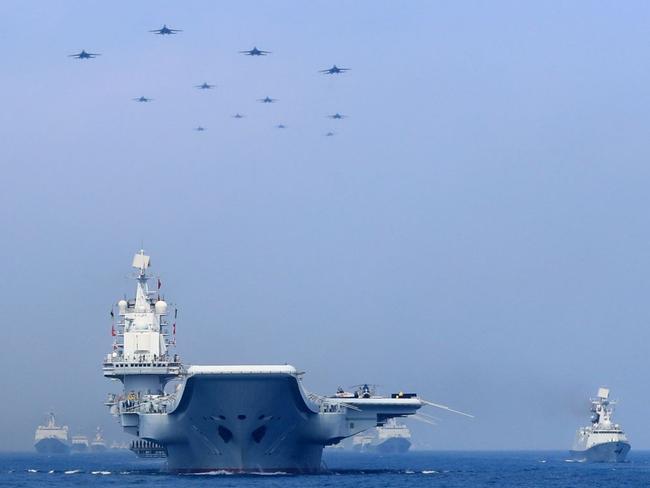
476 231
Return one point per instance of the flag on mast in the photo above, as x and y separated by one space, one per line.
113 333
159 283
174 328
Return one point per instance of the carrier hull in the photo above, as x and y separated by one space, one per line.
255 422
608 452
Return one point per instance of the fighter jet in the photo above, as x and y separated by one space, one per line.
204 86
238 116
267 100
280 126
334 70
337 116
84 55
199 129
142 99
329 134
255 52
164 30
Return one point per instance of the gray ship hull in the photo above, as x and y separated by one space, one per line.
607 452
393 446
252 422
52 446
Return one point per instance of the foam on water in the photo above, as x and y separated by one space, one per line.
218 472
271 473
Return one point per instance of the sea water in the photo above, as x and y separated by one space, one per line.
341 470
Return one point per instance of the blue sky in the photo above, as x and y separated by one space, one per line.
476 231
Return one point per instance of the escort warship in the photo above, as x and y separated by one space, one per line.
391 438
51 438
80 443
603 440
98 444
234 418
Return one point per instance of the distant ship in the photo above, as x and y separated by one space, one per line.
391 438
52 438
239 417
603 440
98 444
80 443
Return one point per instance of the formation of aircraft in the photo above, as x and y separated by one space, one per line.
165 30
84 55
255 52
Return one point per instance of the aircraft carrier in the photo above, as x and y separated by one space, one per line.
234 418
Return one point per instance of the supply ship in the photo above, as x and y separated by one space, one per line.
218 417
51 438
603 440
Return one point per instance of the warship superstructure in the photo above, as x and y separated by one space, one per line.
240 417
51 438
603 440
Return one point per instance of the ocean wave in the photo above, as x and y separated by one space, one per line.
100 472
429 471
72 471
218 472
270 473
31 470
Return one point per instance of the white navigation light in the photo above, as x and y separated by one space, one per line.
121 307
603 393
141 261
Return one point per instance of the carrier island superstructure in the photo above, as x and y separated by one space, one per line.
603 440
240 418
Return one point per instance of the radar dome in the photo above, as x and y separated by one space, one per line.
161 307
121 305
